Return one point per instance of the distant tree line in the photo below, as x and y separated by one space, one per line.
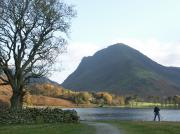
99 98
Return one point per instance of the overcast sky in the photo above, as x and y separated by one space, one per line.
150 26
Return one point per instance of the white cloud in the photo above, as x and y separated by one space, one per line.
164 53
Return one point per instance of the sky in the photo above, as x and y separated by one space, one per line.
150 26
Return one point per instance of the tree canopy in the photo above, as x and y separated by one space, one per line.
32 35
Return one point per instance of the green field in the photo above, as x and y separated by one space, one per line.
133 127
47 129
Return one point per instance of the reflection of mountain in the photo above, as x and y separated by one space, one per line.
122 69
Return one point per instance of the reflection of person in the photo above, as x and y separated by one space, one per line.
156 113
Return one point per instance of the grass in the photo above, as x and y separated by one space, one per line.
150 104
137 127
127 127
47 129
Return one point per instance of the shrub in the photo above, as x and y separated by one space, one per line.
27 99
34 115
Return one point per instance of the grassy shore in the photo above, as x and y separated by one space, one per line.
47 129
137 127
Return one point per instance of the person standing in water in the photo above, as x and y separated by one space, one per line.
156 113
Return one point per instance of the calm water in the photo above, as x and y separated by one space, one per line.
126 114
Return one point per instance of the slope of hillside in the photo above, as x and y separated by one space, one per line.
42 95
124 70
38 100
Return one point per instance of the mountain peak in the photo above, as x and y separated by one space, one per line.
119 45
123 70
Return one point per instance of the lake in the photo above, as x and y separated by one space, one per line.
126 114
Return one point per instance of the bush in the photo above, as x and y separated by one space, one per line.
33 115
107 98
83 98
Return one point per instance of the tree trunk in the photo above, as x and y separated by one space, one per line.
16 100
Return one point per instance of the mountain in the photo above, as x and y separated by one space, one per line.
123 70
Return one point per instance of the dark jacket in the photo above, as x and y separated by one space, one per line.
156 110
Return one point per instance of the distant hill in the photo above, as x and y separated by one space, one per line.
42 80
123 70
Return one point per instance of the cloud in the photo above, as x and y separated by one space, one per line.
164 53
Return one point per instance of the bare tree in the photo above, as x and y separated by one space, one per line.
32 34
